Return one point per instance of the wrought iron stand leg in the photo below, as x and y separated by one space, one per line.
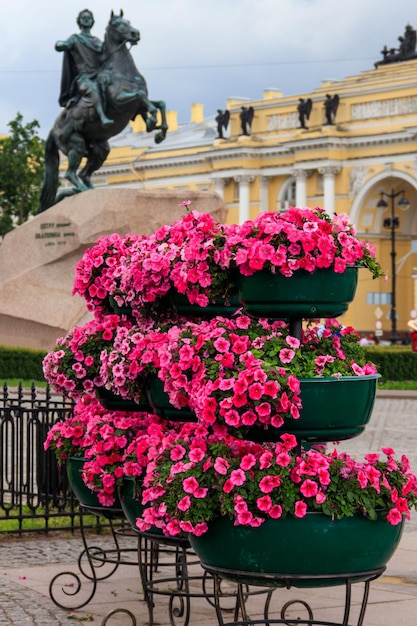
145 562
89 560
66 586
268 603
364 602
70 589
96 556
116 612
183 589
217 594
240 604
348 601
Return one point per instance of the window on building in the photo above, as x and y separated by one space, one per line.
288 197
378 297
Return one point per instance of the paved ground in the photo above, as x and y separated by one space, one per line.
28 566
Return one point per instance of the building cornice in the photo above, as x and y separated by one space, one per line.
290 148
206 160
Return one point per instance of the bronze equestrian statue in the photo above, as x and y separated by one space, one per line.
101 90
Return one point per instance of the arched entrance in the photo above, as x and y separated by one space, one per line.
381 216
286 195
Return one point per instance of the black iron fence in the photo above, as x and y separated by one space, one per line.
32 487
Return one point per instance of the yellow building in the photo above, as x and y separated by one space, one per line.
370 150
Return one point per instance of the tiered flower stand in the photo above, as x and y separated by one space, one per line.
294 312
164 563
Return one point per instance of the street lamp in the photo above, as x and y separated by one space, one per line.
392 223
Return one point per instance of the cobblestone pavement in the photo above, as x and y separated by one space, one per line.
20 606
393 424
48 550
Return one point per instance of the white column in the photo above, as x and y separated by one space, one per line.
244 197
301 187
219 184
329 174
264 194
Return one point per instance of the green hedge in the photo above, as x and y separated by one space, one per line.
22 363
394 362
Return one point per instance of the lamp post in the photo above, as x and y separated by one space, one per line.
392 223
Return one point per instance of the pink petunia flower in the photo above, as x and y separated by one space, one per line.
237 477
300 508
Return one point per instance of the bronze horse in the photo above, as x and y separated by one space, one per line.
78 133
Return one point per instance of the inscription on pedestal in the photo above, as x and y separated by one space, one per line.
55 234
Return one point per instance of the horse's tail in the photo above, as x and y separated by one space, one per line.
51 174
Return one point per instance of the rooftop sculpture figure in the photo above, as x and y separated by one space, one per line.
101 90
304 110
331 105
405 51
246 117
222 119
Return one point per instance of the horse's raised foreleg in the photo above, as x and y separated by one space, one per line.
97 154
147 108
124 97
163 126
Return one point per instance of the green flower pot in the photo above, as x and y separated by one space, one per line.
302 551
130 500
113 402
334 409
159 401
84 495
322 293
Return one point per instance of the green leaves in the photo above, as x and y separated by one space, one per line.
21 171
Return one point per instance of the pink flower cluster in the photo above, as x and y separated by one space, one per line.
73 367
143 272
242 372
133 356
185 257
98 273
239 371
299 239
106 440
211 367
197 258
200 474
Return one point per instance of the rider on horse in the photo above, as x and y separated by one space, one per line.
82 59
100 82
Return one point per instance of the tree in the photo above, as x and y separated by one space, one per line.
21 171
6 222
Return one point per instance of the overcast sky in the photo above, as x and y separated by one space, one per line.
199 51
